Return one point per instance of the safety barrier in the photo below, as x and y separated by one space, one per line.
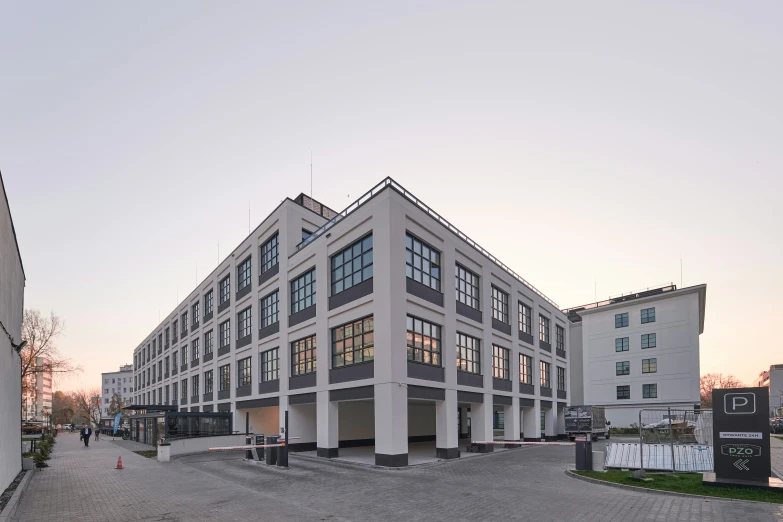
520 443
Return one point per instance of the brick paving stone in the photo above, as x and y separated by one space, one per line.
523 484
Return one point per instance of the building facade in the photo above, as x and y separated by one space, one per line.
382 326
773 379
37 395
12 283
638 351
120 383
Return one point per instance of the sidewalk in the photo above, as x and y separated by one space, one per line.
81 484
776 448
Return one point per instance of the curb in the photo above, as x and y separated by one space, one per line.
638 489
10 508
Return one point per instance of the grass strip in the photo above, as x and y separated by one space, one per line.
150 454
690 483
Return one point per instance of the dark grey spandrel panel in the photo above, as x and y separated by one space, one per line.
423 292
352 294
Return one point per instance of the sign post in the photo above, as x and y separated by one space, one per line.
740 429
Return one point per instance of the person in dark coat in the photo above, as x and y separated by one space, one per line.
86 432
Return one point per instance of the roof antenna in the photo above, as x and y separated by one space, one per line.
311 174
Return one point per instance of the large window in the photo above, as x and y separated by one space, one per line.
270 365
184 385
194 311
209 342
269 256
468 353
543 328
559 337
500 305
208 381
648 315
468 288
561 378
244 322
174 329
225 333
270 313
225 289
353 343
423 341
174 361
184 331
225 377
649 365
525 318
208 302
303 356
184 355
649 391
622 368
624 392
166 366
167 337
194 385
500 362
621 344
244 372
649 340
621 320
194 351
174 392
244 273
352 265
544 370
422 262
525 369
303 292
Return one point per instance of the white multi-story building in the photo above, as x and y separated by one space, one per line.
382 326
12 282
773 379
638 351
119 382
37 396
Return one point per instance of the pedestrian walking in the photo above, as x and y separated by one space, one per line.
97 433
85 435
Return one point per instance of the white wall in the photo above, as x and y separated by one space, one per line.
262 420
202 444
12 284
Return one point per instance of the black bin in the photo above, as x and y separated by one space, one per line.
271 454
584 454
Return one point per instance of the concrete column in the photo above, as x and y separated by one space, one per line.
463 420
511 421
328 424
446 441
481 422
391 425
560 421
531 422
551 422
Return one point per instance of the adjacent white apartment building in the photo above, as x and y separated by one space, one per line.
773 379
12 283
37 396
381 326
119 382
638 351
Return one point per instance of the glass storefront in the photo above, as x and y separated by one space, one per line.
150 424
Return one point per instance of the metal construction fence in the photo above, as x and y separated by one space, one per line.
669 440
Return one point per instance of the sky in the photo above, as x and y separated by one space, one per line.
594 147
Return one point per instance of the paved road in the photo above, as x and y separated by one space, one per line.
524 484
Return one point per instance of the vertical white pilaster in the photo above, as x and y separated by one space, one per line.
531 421
481 421
328 426
446 440
511 420
391 424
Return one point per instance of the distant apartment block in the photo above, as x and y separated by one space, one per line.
119 383
37 397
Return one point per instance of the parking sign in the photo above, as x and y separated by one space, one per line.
741 434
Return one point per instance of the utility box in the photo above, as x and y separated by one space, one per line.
271 455
584 454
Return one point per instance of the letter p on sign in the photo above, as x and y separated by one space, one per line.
739 403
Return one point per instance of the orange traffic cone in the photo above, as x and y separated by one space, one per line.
119 463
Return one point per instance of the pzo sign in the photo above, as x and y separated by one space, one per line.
739 417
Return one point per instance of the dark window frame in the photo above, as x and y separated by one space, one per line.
544 370
337 264
468 286
270 308
499 300
621 320
224 377
468 353
209 381
226 331
270 253
561 378
339 358
245 372
622 368
501 360
303 291
622 344
648 315
525 369
623 392
194 350
303 356
270 364
209 299
224 287
525 316
649 340
209 342
544 326
433 354
650 391
650 365
245 322
432 264
245 273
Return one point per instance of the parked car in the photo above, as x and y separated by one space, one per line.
776 426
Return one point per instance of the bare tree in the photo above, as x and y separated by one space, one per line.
88 404
63 407
712 381
41 333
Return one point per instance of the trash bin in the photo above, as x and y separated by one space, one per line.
282 456
271 454
584 454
